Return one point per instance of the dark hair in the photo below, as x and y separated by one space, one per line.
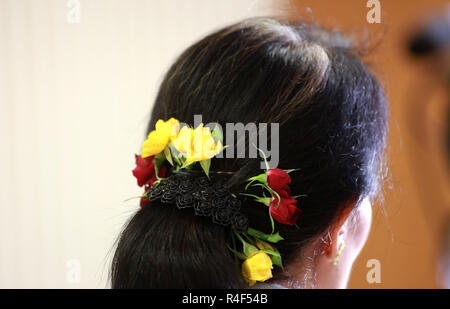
333 124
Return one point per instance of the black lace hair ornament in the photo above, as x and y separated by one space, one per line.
207 197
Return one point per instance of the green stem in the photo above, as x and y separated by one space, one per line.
239 237
134 197
264 157
248 238
272 222
251 195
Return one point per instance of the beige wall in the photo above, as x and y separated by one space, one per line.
74 102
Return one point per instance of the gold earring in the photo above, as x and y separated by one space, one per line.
338 256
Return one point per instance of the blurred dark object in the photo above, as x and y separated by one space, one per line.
433 36
430 44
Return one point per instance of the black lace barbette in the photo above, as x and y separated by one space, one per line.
204 195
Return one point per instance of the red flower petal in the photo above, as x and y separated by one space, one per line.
284 192
278 179
144 171
285 212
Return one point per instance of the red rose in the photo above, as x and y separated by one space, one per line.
284 192
285 212
145 171
278 179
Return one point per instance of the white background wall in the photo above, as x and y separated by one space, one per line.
74 103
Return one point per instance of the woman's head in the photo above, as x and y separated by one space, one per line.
332 119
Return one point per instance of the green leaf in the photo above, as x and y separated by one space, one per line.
277 260
205 164
176 160
264 200
182 160
168 155
176 155
261 178
186 164
159 161
217 134
249 249
189 167
174 151
275 256
272 252
273 238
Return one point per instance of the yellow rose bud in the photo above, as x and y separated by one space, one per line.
261 244
257 267
203 145
183 142
157 140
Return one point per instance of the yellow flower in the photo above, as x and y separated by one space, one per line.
203 145
257 267
196 145
183 142
157 140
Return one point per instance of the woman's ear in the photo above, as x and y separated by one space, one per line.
335 238
342 244
326 256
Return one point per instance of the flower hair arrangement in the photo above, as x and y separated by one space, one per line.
258 252
175 149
